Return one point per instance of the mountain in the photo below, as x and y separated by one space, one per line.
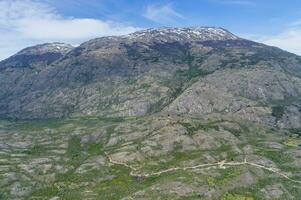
203 70
167 113
43 54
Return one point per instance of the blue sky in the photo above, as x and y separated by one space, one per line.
28 22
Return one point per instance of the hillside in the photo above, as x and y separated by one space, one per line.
151 71
167 113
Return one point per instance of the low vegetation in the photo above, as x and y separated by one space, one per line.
68 158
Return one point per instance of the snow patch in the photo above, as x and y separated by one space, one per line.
178 34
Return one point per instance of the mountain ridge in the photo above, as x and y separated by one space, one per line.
144 72
163 114
47 52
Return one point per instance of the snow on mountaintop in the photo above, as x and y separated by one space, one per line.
55 47
166 35
181 34
31 56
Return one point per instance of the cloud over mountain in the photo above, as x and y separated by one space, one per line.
29 22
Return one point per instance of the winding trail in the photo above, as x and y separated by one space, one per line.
221 164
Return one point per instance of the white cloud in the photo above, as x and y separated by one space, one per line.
296 23
289 39
28 22
163 14
70 29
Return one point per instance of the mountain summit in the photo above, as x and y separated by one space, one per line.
168 113
37 55
184 34
196 71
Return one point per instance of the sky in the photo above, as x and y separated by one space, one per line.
25 23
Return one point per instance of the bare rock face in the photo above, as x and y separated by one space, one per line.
198 71
261 83
291 118
203 98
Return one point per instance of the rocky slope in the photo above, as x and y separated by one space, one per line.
201 71
170 113
43 54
